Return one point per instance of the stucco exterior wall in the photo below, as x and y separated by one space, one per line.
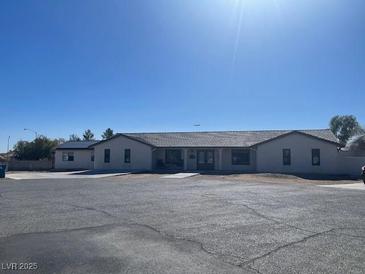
270 155
82 159
351 165
141 154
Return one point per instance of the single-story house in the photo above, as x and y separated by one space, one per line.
74 155
281 151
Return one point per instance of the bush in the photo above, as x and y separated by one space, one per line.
38 149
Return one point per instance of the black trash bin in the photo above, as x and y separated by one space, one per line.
2 170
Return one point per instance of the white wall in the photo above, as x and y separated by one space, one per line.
141 154
351 165
270 155
82 159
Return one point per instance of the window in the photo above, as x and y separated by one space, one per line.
127 155
316 157
286 157
92 156
107 155
64 156
240 156
173 157
68 156
201 157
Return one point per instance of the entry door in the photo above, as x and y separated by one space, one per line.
205 159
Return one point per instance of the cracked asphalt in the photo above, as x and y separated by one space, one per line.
145 224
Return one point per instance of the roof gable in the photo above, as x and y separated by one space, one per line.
219 138
323 136
122 135
77 144
223 138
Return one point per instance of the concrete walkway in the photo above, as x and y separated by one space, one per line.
356 186
179 175
28 175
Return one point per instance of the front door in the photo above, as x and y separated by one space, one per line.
205 159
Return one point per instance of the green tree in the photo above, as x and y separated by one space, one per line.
108 133
74 138
88 135
40 148
357 144
344 127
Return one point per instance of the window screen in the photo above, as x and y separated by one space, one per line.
67 156
316 157
174 156
240 157
107 155
286 157
127 155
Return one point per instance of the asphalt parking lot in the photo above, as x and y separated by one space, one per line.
145 224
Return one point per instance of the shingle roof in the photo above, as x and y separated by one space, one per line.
222 138
77 144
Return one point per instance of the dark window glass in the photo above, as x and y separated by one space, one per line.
67 156
174 157
127 156
286 157
92 157
240 156
316 157
210 157
107 155
201 157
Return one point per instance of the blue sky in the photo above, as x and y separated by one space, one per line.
161 65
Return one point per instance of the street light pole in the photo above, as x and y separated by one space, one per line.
7 151
35 132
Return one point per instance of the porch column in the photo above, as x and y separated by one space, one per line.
220 159
185 159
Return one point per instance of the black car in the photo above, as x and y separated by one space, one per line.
363 174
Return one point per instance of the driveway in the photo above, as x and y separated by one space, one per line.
145 224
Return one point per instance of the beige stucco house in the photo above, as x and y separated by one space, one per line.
280 151
74 155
